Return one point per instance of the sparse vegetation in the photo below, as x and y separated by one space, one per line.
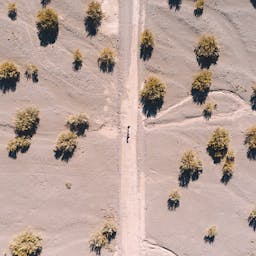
210 234
208 109
94 16
146 44
252 219
199 7
32 72
26 121
201 86
78 123
190 168
250 141
65 145
9 76
97 242
173 201
78 60
26 244
228 167
109 229
48 26
12 11
218 144
106 60
207 51
18 144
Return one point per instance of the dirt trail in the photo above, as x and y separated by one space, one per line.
130 194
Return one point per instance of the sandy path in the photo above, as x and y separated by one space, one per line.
130 198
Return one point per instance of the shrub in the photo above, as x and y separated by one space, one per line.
146 44
253 97
207 51
26 244
173 201
78 123
208 109
199 7
228 167
17 144
250 141
32 72
252 219
78 60
218 144
210 234
9 76
97 242
26 121
109 229
65 145
201 86
68 185
12 11
106 60
190 168
48 26
94 16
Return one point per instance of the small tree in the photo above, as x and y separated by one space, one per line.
26 121
106 60
32 72
173 201
109 229
190 168
65 145
199 7
48 26
97 242
208 109
250 141
210 234
9 76
78 60
146 44
228 168
78 123
207 51
26 244
201 86
18 144
94 16
218 144
12 11
252 219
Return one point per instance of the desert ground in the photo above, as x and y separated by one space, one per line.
110 177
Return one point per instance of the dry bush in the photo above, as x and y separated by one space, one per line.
201 86
199 7
65 145
250 141
173 201
48 26
210 234
18 144
94 16
78 123
252 219
109 229
208 109
9 76
26 244
146 44
32 72
78 60
97 242
190 168
207 51
12 11
26 121
106 60
218 144
228 168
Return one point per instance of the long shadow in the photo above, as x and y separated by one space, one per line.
253 100
13 154
252 222
199 97
251 154
206 62
80 129
175 4
44 3
12 15
173 204
225 178
64 155
77 65
91 26
253 2
209 239
146 52
198 12
188 175
150 108
106 67
8 84
29 133
212 153
47 37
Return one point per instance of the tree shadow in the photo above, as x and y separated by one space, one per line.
12 15
47 37
106 67
251 154
216 157
172 204
207 114
77 65
253 2
199 97
253 100
175 4
206 62
8 84
151 107
29 133
13 154
96 249
188 175
198 12
209 239
90 26
226 178
146 52
80 129
33 76
64 155
252 222
44 3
